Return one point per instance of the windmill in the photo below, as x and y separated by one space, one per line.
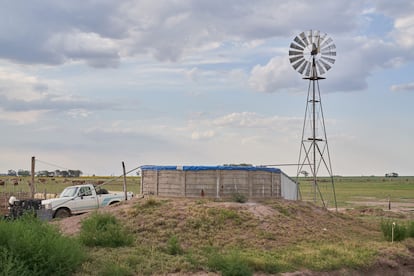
312 54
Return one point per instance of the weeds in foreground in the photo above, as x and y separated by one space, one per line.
31 247
229 264
396 231
104 230
173 246
410 229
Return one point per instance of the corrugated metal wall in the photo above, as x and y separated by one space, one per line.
289 187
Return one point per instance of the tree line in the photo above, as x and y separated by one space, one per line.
45 173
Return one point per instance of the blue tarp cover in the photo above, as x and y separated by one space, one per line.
209 168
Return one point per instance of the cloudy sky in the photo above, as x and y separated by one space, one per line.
89 84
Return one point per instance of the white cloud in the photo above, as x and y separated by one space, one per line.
202 135
21 118
405 31
403 87
17 85
91 47
276 75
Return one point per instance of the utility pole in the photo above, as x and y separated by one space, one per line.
32 182
125 181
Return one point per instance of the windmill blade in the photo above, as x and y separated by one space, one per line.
317 34
328 54
320 68
295 58
310 37
304 39
317 40
296 65
295 53
322 38
299 41
308 69
329 40
330 48
330 60
325 65
295 46
304 66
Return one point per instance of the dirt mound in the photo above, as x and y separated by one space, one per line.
262 226
289 221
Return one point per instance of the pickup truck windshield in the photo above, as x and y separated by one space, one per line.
69 192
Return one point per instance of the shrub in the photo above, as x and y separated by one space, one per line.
410 229
229 265
10 265
240 198
173 246
151 202
31 247
400 230
104 230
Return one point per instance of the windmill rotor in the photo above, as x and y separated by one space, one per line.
312 47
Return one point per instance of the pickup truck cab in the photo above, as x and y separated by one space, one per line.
80 199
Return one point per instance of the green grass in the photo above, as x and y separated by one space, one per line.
351 190
57 184
104 230
31 247
393 231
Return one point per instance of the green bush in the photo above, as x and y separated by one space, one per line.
400 230
11 265
240 198
410 229
31 247
104 230
232 264
173 246
151 202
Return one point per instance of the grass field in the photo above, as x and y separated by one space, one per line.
361 191
350 191
57 184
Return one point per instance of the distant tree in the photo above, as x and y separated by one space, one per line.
21 172
42 173
304 173
64 173
78 173
11 173
393 174
74 173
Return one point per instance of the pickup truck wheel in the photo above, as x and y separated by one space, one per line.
62 213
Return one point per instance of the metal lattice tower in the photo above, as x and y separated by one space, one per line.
312 54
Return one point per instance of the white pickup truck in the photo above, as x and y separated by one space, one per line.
80 199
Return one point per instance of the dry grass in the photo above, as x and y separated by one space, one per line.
270 236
